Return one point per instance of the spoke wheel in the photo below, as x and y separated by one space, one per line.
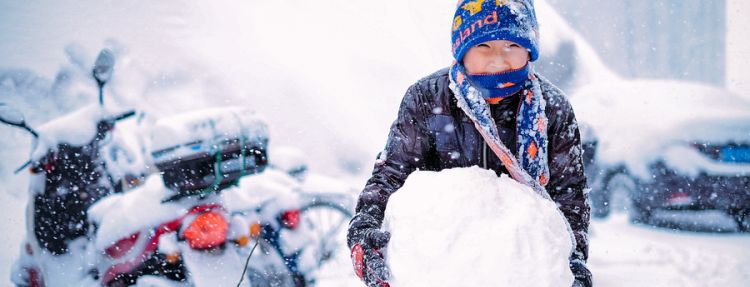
325 220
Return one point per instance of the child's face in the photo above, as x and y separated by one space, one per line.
495 57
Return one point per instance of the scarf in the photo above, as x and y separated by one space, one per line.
496 87
530 167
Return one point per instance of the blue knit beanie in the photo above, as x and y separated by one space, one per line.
478 21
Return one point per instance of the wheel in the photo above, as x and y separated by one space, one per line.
639 213
325 220
612 181
743 224
743 220
322 218
606 188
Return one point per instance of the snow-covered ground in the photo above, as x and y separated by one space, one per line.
623 254
13 211
626 255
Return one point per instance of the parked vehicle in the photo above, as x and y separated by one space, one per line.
214 199
683 146
71 168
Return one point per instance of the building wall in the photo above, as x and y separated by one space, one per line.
738 47
676 39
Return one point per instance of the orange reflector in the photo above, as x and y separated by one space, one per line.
208 230
243 241
173 258
255 230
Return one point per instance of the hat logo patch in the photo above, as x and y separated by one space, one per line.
457 23
473 7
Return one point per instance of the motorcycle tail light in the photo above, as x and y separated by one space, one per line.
679 198
122 246
290 219
207 231
35 279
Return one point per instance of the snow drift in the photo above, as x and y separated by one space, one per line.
468 227
638 122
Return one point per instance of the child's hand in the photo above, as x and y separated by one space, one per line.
368 261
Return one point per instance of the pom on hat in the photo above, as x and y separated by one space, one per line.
478 21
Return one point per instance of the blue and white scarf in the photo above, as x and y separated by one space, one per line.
496 87
530 167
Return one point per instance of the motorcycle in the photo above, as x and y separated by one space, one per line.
296 230
215 202
70 169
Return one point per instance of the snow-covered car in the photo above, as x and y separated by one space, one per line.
673 145
633 131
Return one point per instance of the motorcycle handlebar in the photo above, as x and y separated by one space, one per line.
106 125
124 116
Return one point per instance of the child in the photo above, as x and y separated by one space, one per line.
490 101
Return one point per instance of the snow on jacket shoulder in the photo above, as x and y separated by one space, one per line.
432 133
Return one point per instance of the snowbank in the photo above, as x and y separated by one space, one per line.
639 121
467 227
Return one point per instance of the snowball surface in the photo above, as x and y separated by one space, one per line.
468 227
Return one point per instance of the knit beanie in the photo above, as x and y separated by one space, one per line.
478 21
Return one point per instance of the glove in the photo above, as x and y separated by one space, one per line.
581 273
368 261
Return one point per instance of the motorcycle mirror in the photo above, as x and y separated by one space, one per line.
11 116
103 67
102 72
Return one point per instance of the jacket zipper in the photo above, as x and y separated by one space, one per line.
484 146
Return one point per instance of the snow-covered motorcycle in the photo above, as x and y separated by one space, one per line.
72 166
197 222
296 230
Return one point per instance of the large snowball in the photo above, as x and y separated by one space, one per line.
468 227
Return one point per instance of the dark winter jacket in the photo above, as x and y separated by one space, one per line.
432 133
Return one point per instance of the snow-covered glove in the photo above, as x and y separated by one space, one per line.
369 263
581 273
